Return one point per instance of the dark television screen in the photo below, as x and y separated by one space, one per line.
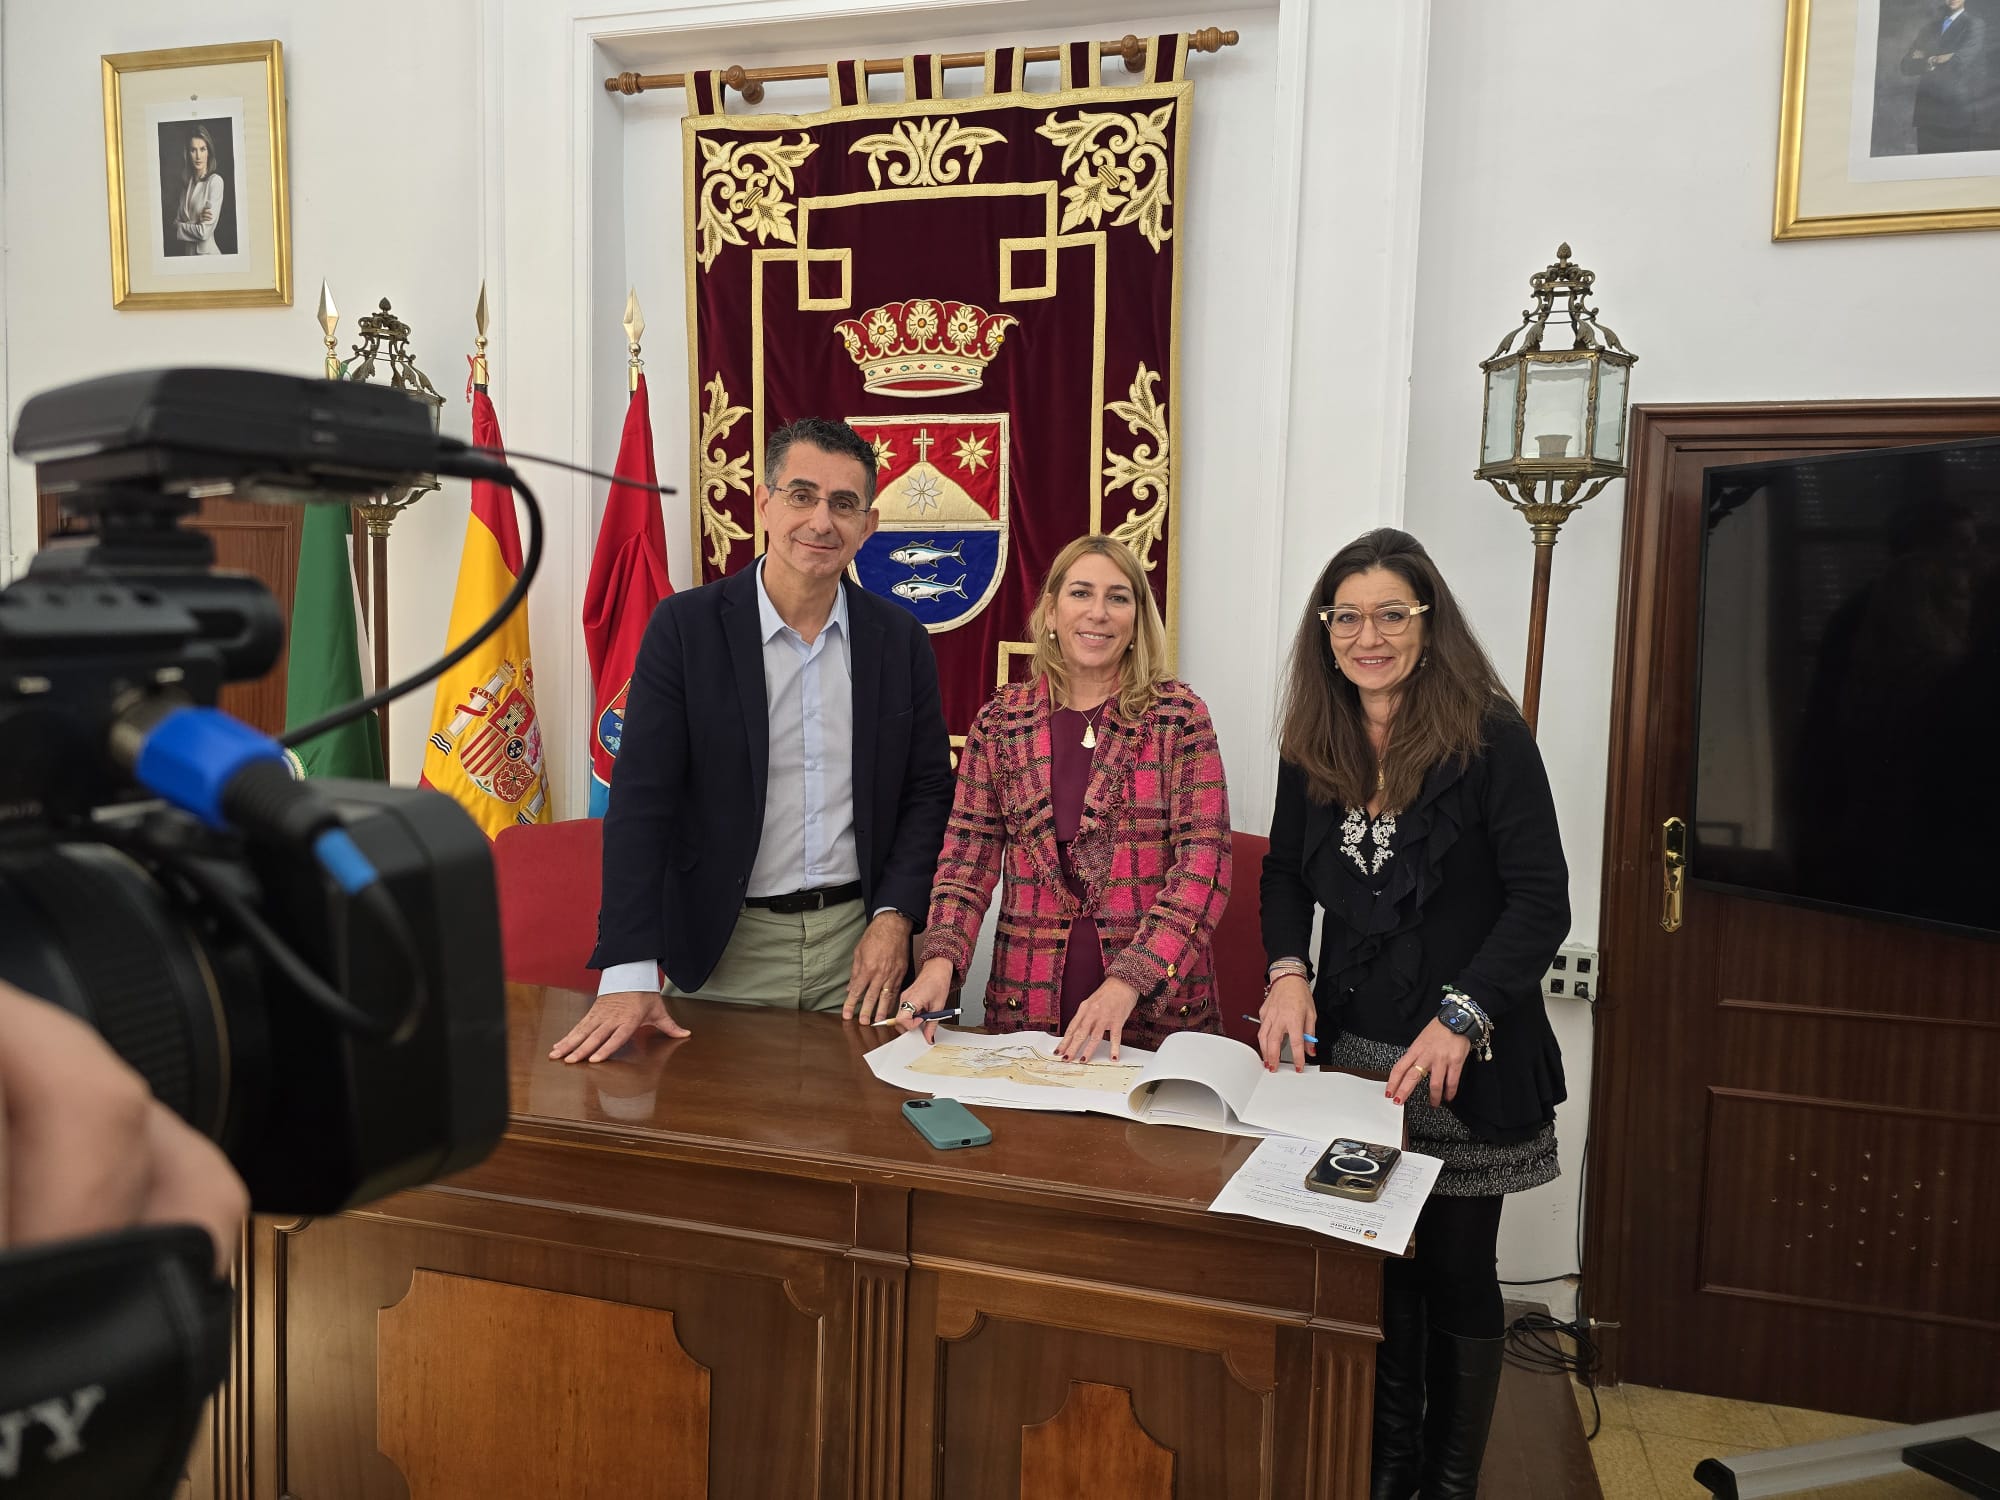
1847 736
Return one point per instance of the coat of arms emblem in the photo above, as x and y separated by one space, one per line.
496 738
941 491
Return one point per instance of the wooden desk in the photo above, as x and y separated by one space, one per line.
728 1267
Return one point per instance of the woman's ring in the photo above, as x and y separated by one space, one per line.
1422 1071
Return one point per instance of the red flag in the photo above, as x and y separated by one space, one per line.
628 579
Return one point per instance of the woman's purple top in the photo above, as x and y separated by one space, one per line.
1083 959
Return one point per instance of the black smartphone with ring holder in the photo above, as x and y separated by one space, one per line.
1353 1169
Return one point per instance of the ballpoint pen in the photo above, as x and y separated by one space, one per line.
1260 1021
921 1016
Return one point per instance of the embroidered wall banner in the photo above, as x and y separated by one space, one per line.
988 289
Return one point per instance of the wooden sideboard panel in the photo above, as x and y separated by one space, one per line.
762 1354
487 1389
646 1186
1095 1446
1006 1377
1199 1263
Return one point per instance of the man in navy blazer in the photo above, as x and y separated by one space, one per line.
784 779
1948 57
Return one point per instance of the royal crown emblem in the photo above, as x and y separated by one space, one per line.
924 347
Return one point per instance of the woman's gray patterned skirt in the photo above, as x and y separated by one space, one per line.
1472 1168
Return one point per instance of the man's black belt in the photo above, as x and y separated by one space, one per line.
813 900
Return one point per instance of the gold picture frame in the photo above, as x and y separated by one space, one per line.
194 161
1855 155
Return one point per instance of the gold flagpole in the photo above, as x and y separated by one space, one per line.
479 320
635 324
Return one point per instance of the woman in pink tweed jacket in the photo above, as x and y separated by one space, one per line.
1096 791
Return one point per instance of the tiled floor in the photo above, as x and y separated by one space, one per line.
1652 1439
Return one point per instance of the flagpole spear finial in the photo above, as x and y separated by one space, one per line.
329 319
635 324
479 319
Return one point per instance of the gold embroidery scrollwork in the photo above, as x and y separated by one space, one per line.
1145 473
1121 169
719 473
924 146
743 187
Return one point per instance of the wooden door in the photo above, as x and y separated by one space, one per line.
261 540
1794 1190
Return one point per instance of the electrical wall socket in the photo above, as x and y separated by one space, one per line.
1574 975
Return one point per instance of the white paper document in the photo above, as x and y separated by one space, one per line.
1194 1079
1271 1185
1016 1071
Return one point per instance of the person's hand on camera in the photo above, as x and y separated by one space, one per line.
612 1021
1286 1017
86 1149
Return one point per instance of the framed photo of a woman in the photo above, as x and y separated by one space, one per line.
194 151
1890 119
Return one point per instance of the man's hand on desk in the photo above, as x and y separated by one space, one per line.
612 1021
880 959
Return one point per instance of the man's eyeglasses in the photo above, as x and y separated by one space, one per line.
1343 623
845 507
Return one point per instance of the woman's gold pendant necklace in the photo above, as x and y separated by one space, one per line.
1090 726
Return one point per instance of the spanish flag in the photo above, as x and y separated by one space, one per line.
485 745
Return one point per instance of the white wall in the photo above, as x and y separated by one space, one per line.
1652 151
386 201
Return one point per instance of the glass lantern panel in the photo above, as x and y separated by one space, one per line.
1557 393
1608 440
1501 387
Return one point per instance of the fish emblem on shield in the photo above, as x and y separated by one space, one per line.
941 491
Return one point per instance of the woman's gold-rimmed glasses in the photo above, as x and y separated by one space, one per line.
1343 623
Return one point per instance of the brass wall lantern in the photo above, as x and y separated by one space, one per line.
1554 432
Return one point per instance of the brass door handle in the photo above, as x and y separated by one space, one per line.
1673 872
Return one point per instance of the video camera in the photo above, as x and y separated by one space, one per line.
307 972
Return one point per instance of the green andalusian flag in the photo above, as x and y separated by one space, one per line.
325 662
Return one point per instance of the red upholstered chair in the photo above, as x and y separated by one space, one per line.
1239 940
549 876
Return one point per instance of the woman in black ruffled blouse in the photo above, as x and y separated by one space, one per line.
1413 810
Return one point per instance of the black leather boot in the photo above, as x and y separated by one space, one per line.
1397 1458
1462 1377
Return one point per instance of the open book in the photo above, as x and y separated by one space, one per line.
1195 1079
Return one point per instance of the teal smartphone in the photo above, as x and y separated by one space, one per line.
946 1123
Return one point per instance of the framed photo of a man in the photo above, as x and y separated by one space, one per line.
1890 120
194 147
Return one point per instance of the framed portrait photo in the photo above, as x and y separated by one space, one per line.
1890 121
194 157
